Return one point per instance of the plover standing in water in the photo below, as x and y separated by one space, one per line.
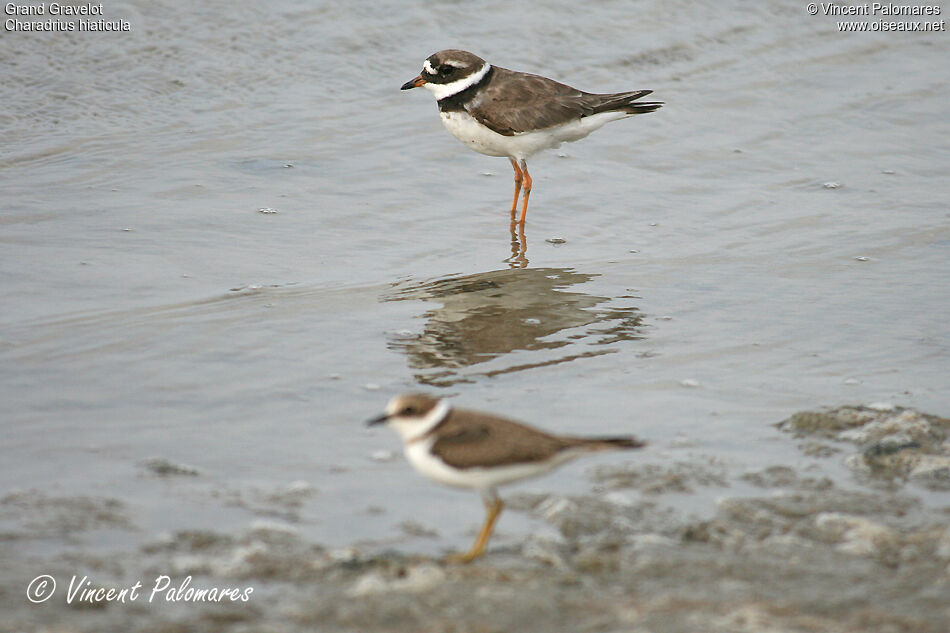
501 112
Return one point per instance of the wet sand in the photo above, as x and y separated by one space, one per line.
797 552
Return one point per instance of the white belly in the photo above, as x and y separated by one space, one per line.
477 478
520 146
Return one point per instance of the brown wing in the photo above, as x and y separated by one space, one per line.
512 102
484 438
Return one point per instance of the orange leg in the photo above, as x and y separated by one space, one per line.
527 191
493 507
518 177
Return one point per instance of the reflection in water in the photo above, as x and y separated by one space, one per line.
519 246
512 319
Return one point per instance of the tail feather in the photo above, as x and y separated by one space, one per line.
601 443
622 442
643 108
627 102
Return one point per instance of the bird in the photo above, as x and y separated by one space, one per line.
471 449
501 112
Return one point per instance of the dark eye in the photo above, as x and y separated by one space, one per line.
445 70
408 410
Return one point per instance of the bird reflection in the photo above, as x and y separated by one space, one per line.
519 246
509 320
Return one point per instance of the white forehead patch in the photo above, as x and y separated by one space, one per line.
427 65
411 429
394 404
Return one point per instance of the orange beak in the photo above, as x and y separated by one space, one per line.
413 83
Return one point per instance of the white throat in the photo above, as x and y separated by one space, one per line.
441 91
411 429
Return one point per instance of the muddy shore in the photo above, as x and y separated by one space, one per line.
794 551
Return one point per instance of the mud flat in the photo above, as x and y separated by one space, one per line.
794 551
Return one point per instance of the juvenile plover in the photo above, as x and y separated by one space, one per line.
501 112
470 449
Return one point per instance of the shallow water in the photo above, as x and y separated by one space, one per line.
775 238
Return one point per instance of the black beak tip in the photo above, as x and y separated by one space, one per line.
415 82
378 420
